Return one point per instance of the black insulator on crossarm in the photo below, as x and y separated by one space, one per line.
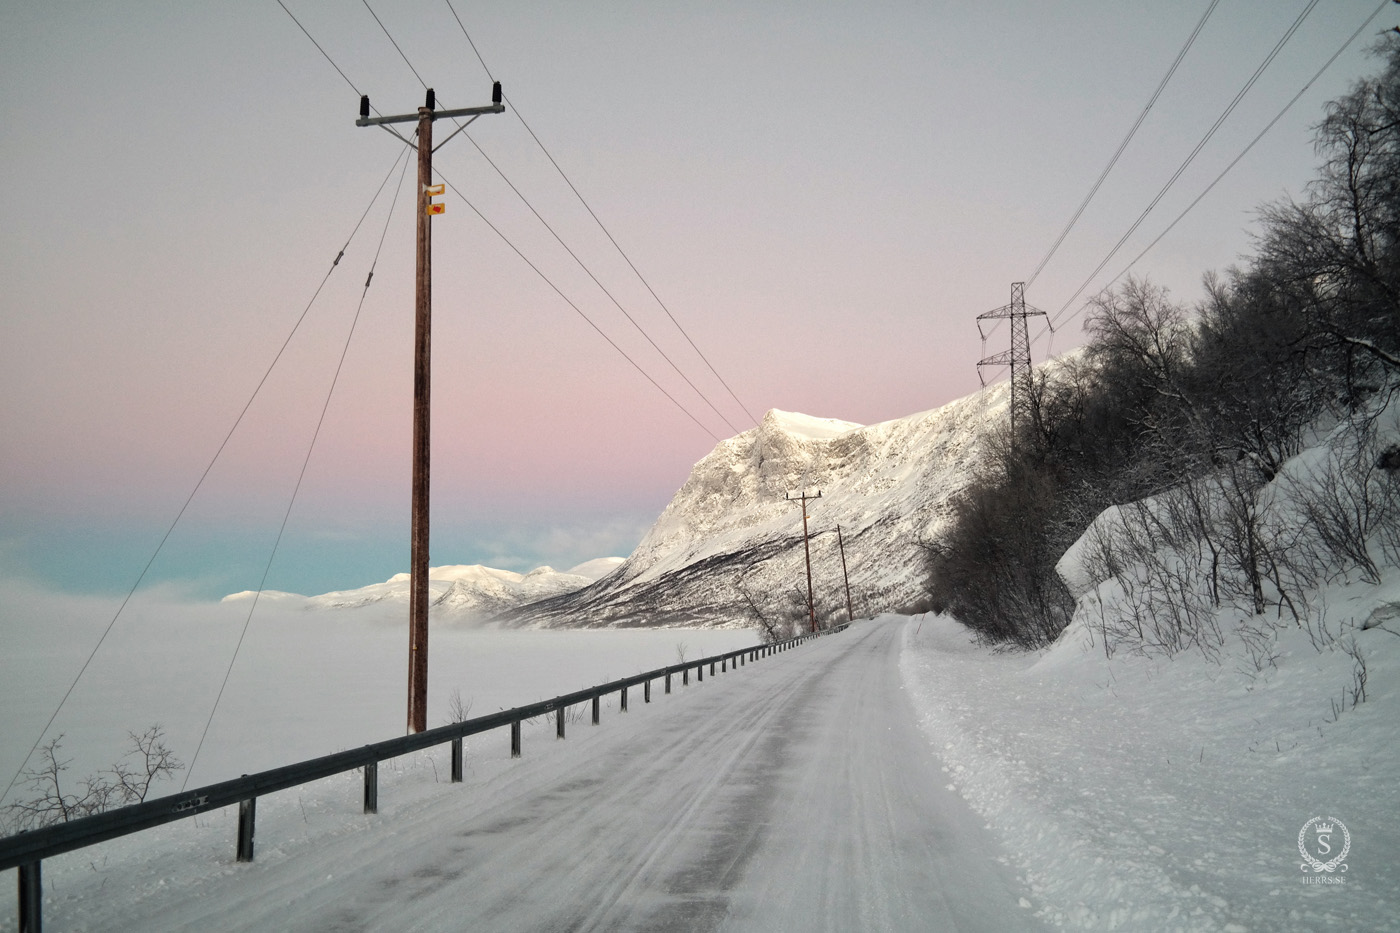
432 100
364 106
496 92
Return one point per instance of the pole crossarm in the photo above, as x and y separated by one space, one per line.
437 115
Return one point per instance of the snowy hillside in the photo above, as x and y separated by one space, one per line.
460 593
730 531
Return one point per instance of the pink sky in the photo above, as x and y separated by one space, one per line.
826 200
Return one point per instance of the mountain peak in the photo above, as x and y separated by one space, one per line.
806 426
731 543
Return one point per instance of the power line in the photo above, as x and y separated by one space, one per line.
1190 157
572 254
601 225
395 44
1190 40
577 309
315 435
200 482
601 286
1236 160
518 252
318 47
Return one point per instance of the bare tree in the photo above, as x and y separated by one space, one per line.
151 761
126 782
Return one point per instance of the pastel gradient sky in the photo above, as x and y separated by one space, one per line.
824 194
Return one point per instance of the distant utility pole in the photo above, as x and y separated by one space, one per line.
1018 357
422 382
811 606
850 613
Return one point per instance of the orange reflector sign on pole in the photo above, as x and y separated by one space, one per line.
433 190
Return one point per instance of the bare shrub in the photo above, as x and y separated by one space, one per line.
150 759
1348 499
458 709
126 782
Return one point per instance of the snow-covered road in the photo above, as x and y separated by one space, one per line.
794 794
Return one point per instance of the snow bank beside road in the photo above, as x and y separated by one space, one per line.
1169 794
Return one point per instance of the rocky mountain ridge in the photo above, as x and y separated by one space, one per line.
729 545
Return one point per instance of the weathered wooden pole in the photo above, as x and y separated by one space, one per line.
418 598
807 549
850 613
422 424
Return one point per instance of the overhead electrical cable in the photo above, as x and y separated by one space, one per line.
330 392
601 286
1218 178
395 44
572 254
1190 40
533 267
579 311
1219 121
601 226
200 482
318 47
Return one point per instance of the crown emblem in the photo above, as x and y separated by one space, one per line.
1324 828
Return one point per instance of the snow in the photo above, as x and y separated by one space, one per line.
461 593
886 485
791 794
896 776
304 684
596 569
1145 793
810 427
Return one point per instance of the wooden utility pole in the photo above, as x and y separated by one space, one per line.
850 613
418 598
806 546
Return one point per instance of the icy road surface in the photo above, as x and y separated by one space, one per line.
794 794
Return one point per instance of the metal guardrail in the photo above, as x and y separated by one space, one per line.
26 850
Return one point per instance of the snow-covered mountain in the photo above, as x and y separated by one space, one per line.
462 592
730 540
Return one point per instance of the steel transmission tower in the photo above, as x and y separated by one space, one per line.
1018 357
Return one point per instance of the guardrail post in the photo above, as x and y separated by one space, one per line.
685 677
712 668
559 722
723 665
457 760
699 673
646 691
597 709
622 702
515 739
31 898
247 813
372 787
668 681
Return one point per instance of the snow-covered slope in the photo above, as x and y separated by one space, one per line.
730 531
462 592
